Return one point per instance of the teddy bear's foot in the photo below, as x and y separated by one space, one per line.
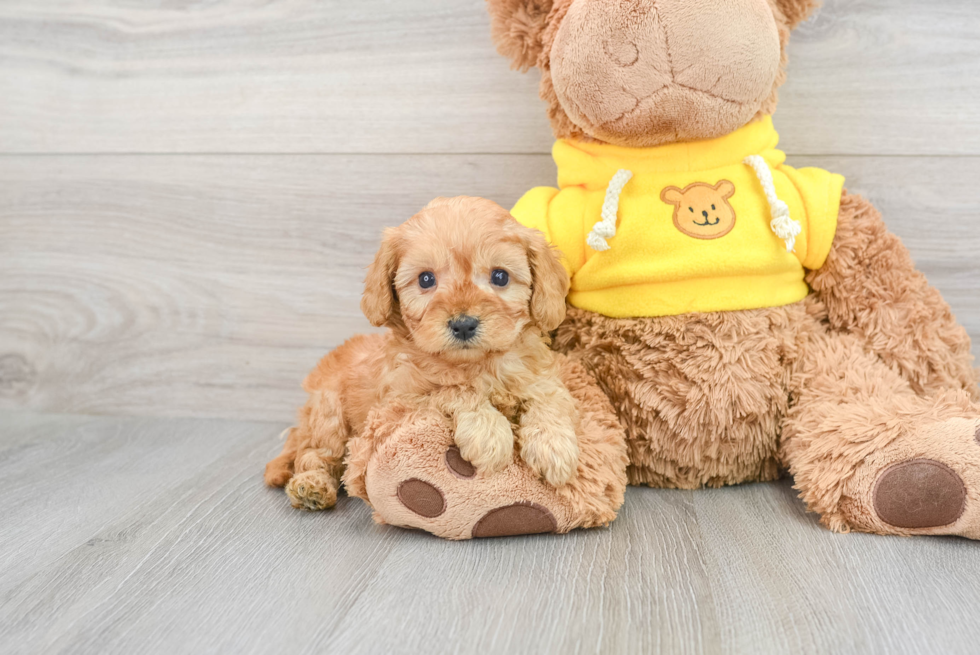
927 483
415 476
434 488
312 490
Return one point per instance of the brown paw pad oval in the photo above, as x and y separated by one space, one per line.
516 519
422 498
459 466
920 493
976 435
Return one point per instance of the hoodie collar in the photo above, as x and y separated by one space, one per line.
594 164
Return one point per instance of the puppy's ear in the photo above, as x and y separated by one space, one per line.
379 302
794 12
517 27
549 281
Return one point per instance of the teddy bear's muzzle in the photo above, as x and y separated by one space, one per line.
666 69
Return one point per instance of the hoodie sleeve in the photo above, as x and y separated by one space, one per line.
821 193
542 208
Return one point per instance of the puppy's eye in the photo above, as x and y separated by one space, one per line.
712 206
692 209
427 280
499 277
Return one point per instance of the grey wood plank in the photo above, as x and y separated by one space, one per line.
197 563
639 587
804 589
57 465
148 553
867 77
209 285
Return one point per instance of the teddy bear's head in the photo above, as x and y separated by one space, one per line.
649 72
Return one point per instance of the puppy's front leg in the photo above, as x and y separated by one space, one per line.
484 435
549 443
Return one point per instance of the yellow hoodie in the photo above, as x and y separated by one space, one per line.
692 229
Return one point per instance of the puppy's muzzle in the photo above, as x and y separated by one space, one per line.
464 327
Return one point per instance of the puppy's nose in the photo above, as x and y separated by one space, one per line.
464 327
705 213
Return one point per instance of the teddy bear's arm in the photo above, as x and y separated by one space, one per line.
871 289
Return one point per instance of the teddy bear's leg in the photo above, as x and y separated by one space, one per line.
311 461
871 290
408 468
869 454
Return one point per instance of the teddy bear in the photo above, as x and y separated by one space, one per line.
744 317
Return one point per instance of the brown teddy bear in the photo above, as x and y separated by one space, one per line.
742 316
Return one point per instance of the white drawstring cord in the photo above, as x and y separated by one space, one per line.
606 228
782 224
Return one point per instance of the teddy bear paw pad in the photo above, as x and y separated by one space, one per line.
422 498
459 466
919 493
516 519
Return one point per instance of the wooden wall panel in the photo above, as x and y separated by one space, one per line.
421 76
209 285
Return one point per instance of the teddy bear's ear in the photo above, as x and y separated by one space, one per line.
726 189
794 12
517 27
672 195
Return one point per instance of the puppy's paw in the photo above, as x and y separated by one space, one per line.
312 490
551 451
485 439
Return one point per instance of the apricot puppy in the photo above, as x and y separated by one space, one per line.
468 296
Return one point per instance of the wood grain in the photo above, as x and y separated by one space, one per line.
157 536
138 278
209 285
784 584
421 76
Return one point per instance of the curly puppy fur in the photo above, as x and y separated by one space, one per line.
495 379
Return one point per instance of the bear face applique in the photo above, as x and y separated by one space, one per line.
702 211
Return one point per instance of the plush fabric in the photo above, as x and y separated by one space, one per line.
727 397
399 448
726 50
864 390
667 258
648 72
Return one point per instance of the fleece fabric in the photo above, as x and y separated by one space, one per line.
693 232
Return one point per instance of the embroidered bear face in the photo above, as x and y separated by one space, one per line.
702 211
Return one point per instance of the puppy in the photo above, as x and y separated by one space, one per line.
468 296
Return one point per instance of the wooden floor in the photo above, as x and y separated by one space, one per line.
189 193
136 535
